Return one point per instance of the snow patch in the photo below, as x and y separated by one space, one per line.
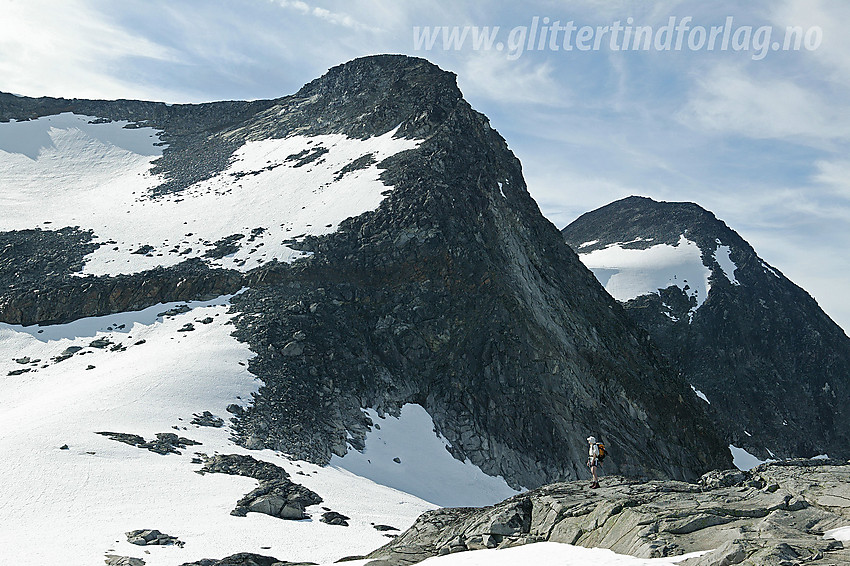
50 136
841 533
743 460
722 257
424 468
590 243
821 457
700 394
768 269
119 323
71 172
630 273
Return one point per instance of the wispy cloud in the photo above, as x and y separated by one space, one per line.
56 48
490 75
335 18
834 176
730 100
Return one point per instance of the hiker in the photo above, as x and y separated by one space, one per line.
593 460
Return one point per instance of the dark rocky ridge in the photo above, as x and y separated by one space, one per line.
767 357
455 294
775 515
56 299
460 299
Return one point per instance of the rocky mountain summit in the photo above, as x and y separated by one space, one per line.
457 295
775 515
774 367
452 292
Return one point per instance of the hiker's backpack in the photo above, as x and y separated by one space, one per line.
602 451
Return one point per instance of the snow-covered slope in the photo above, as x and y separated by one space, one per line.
405 453
72 170
74 505
627 273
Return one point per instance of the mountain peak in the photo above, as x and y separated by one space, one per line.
772 364
637 219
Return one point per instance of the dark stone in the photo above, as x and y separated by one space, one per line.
144 250
246 559
152 537
179 309
225 246
207 419
165 443
334 518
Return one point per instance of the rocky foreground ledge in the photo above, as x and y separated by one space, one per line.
776 514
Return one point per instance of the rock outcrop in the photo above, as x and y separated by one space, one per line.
246 559
165 443
276 495
56 299
774 515
152 537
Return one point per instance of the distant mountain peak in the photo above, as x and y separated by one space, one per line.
753 342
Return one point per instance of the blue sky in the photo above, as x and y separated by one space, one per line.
761 143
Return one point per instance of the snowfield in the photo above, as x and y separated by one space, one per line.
74 505
629 273
722 257
68 170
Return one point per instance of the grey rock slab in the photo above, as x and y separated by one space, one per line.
774 515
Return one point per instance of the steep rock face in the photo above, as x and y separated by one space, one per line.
774 366
774 515
57 300
456 294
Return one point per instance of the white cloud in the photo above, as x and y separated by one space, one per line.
729 100
68 48
835 176
491 75
336 18
831 16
